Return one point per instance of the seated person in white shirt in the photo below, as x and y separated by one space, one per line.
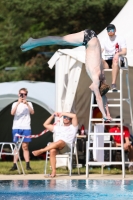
114 47
62 135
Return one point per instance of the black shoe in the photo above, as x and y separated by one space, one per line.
28 168
13 168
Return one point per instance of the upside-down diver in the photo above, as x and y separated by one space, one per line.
93 60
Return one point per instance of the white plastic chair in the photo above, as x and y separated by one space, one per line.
67 155
14 150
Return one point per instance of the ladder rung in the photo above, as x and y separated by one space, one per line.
128 162
121 68
110 91
105 148
124 68
106 124
118 99
6 153
109 105
104 134
104 163
100 119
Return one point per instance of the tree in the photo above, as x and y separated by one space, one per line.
27 18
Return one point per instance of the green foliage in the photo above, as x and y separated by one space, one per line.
20 20
38 168
39 73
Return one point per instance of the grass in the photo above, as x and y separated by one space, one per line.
38 168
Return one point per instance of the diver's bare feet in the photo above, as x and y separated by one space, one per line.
109 118
37 152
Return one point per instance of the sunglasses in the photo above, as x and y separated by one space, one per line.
65 117
23 94
111 30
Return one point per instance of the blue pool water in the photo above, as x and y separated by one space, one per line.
66 189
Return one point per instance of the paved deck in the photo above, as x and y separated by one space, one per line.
60 176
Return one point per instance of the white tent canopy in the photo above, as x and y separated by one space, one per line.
41 93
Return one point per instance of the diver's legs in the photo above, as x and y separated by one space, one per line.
75 39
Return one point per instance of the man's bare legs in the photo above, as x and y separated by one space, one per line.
75 39
25 148
128 148
105 64
53 153
54 145
115 70
130 155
